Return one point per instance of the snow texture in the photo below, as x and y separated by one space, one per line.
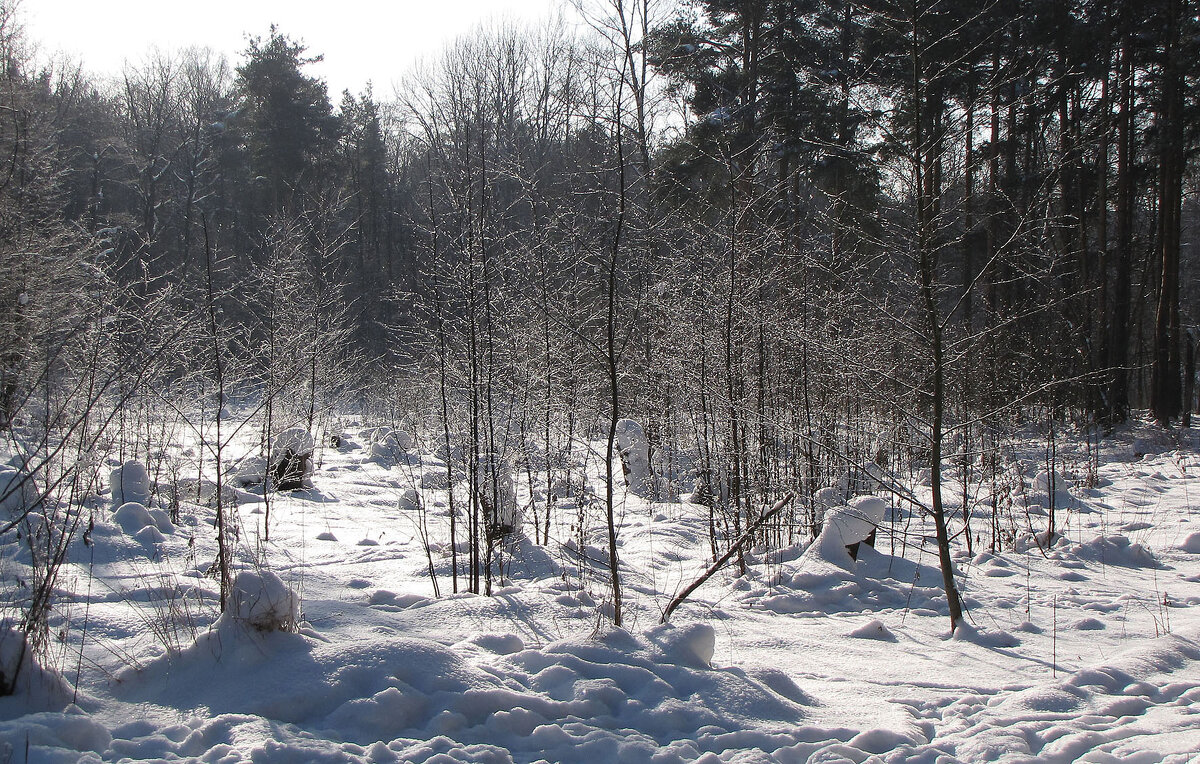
1086 649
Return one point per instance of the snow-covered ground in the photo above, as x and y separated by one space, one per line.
1087 651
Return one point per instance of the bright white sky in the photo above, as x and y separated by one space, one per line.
376 40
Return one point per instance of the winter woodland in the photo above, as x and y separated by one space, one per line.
756 381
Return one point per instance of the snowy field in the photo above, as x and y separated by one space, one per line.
1086 651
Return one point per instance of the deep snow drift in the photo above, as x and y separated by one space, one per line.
335 648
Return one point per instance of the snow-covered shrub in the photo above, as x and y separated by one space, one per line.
17 492
386 446
1043 479
250 471
130 482
857 520
823 500
410 500
845 527
498 494
634 449
291 459
261 599
435 479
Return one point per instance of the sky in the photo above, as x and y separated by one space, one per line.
361 40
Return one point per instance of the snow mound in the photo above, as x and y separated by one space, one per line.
614 695
873 629
149 535
130 482
1044 480
410 500
965 632
1113 550
435 479
1100 713
298 440
386 446
500 644
162 520
132 516
691 645
260 599
55 737
844 526
250 471
36 688
1191 544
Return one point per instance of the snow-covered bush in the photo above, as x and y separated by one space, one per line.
823 500
857 520
435 479
498 494
845 527
261 599
386 446
250 471
130 482
291 459
410 500
17 492
21 674
634 449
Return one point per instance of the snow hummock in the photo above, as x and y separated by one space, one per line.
848 524
261 599
873 629
857 520
132 516
298 440
130 483
386 446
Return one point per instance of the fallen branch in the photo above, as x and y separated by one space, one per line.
679 598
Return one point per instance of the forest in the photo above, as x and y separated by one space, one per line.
751 257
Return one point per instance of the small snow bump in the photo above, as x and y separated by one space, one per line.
873 629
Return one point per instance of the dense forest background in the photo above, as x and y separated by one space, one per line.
794 239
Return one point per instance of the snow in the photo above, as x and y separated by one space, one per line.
261 600
298 440
130 483
132 516
634 450
17 492
335 647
